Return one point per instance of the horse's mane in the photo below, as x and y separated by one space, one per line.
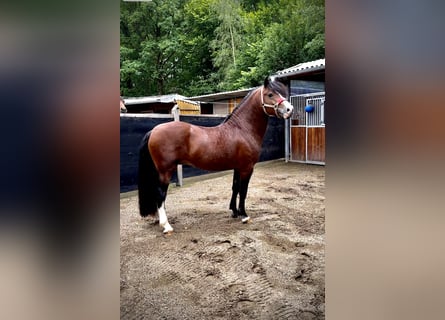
272 84
239 106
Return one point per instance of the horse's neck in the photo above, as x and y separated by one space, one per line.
249 116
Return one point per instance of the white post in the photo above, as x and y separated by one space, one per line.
175 112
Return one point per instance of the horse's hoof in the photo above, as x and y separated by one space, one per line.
168 233
245 219
168 230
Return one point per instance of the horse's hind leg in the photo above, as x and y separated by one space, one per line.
235 191
163 221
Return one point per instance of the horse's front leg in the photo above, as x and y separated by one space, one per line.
244 185
235 190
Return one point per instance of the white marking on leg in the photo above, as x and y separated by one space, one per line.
245 219
163 222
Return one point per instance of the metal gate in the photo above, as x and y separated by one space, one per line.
306 129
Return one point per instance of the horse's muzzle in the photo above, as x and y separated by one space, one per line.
286 110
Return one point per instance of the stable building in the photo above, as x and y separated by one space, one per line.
152 104
221 103
305 131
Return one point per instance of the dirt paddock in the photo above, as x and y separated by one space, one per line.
215 267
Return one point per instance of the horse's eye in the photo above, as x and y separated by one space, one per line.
270 95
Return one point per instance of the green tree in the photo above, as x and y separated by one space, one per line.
195 47
200 73
228 36
256 22
151 46
293 32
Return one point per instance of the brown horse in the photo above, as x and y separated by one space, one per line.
234 144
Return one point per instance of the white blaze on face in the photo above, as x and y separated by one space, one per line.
288 109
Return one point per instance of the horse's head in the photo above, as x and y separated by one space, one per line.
273 99
123 108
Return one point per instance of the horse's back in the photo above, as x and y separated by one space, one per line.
172 125
169 135
171 128
177 132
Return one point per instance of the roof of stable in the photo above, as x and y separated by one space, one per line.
221 95
305 67
168 98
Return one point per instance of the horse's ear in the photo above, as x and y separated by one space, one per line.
268 80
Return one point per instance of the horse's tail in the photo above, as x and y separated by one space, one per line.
149 185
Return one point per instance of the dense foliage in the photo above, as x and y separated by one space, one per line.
194 47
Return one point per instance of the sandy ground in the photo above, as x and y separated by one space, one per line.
215 267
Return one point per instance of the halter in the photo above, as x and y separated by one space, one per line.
274 106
